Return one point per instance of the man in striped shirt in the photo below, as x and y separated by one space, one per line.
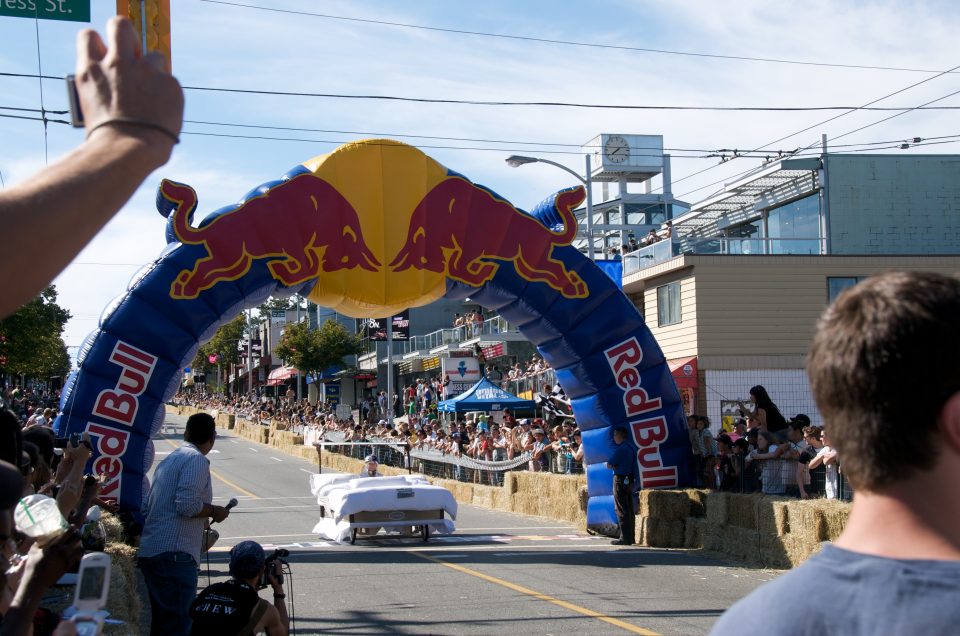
175 515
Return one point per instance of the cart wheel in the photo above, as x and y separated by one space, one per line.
426 532
353 538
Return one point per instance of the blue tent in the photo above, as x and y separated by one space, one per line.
484 396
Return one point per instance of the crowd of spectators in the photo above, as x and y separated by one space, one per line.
32 462
766 453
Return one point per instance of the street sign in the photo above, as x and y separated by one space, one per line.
68 10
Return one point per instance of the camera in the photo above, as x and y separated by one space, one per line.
73 440
274 563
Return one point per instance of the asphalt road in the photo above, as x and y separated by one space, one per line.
500 573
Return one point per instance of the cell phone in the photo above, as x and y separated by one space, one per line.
76 114
93 582
90 595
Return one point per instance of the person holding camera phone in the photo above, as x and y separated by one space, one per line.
234 606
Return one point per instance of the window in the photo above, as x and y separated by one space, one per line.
668 304
836 284
799 220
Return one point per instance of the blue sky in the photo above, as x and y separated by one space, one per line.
229 46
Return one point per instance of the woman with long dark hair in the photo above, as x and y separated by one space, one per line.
771 419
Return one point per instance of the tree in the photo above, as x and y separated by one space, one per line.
223 345
314 351
30 340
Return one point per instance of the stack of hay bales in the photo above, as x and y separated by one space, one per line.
663 517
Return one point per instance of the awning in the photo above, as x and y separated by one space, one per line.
684 371
280 375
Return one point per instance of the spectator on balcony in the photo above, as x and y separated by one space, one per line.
767 413
668 231
477 322
651 237
632 244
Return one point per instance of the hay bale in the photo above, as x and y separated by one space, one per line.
693 532
716 508
713 537
773 517
582 497
113 529
741 543
698 501
123 601
742 510
660 533
798 549
665 505
773 553
807 521
510 482
835 515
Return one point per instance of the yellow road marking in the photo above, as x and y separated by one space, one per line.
222 478
543 597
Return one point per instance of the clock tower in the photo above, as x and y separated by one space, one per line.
629 158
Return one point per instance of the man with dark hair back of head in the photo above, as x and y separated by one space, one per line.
176 513
895 569
234 606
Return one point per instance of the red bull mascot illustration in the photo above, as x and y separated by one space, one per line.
340 216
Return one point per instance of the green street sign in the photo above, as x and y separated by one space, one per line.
69 10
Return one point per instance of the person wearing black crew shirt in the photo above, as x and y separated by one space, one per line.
623 463
235 606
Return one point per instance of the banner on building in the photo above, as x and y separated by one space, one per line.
376 328
462 374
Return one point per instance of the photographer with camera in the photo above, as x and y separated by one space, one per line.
234 606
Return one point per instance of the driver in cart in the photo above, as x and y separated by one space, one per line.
371 466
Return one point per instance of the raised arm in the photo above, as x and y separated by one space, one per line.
133 109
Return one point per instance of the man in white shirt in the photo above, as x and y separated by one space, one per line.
175 515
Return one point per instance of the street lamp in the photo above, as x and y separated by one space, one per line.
515 161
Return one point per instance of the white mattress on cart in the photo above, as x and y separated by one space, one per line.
345 494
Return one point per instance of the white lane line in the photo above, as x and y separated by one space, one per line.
233 441
267 536
501 528
309 472
254 450
273 508
276 459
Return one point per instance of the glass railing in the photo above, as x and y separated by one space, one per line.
454 335
650 255
667 249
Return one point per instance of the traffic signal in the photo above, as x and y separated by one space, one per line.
151 20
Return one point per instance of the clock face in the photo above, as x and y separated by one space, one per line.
616 150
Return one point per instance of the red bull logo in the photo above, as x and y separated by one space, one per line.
365 204
466 232
303 226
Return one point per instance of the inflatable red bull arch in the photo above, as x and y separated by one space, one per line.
371 229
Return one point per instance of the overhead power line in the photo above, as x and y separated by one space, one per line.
480 102
803 130
592 45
